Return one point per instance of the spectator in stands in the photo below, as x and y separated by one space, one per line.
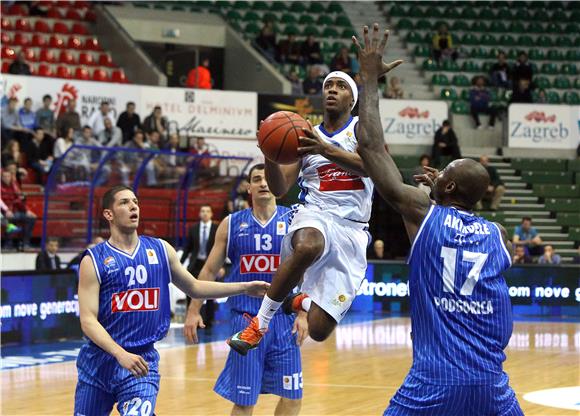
288 50
111 136
97 119
549 256
16 211
173 167
542 98
239 200
496 187
378 252
522 69
310 51
19 66
44 117
200 77
394 90
129 122
156 122
87 137
528 236
13 155
523 92
63 143
77 165
445 143
443 44
200 147
424 160
48 258
39 152
520 256
342 61
76 260
296 83
266 40
27 116
68 118
500 72
11 126
479 100
312 85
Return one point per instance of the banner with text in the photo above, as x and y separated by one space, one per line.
543 126
412 121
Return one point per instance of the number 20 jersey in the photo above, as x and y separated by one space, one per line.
134 294
461 315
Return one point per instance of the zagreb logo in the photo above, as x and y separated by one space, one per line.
540 117
67 93
413 112
334 178
135 300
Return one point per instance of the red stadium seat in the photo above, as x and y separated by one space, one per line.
63 72
46 55
82 4
30 55
79 29
8 53
41 26
90 16
16 10
60 27
56 42
22 25
38 41
66 58
92 44
86 59
6 25
100 75
74 43
44 70
72 14
21 39
6 40
118 75
54 13
5 66
82 73
105 60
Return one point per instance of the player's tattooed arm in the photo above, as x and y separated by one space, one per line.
280 178
88 293
199 289
412 203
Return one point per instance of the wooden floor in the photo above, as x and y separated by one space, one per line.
356 371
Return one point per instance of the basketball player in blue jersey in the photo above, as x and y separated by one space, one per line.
252 240
124 309
460 307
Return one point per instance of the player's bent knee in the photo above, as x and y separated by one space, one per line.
308 244
319 334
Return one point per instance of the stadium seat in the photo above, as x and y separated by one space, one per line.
86 59
6 39
574 233
100 75
82 73
569 69
324 20
405 24
562 83
413 37
558 191
534 177
22 25
460 26
538 164
30 55
335 7
251 17
56 42
536 54
479 26
42 26
6 25
555 55
233 15
44 70
415 11
291 30
63 72
452 12
525 40
260 5
8 53
430 65
54 13
439 79
241 5
562 204
507 40
329 32
478 52
306 19
105 60
66 57
448 94
517 27
252 28
21 39
118 75
571 98
573 55
79 29
60 27
487 39
288 18
297 7
311 30
460 107
549 68
468 13
450 66
498 26
92 44
422 51
342 21
269 17
542 82
567 219
486 14
465 94
424 24
469 39
72 14
544 41
316 7
278 6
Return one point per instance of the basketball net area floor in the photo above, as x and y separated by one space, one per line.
356 371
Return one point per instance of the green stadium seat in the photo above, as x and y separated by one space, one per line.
548 177
564 42
415 11
562 83
348 33
334 7
329 32
183 8
324 20
291 29
574 233
406 162
571 98
521 14
159 6
233 15
544 41
336 46
311 30
557 191
405 24
470 66
469 39
542 165
573 55
558 16
569 69
140 4
562 204
554 28
465 94
577 41
422 51
555 55
288 18
469 13
270 17
241 5
316 7
460 81
517 27
450 66
235 24
396 11
424 24
525 40
342 21
553 97
452 12
260 5
460 107
574 165
577 83
507 40
297 7
535 27
278 6
486 14
430 65
479 26
536 54
542 82
413 37
459 26
539 16
478 52
434 12
439 79
486 67
568 219
549 68
448 94
252 28
512 54
306 19
493 216
498 26
251 17
572 28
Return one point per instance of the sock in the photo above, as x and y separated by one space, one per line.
306 302
267 311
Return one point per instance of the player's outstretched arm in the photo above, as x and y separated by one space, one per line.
280 178
409 201
209 290
211 269
89 288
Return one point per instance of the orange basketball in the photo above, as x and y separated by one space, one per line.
278 136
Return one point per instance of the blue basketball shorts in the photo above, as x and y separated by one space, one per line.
273 367
102 382
417 398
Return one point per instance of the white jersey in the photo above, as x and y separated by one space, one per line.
329 187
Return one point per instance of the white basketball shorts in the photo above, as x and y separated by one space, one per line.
333 279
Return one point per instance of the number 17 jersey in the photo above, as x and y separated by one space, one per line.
461 314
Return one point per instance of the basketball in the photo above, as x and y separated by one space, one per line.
278 136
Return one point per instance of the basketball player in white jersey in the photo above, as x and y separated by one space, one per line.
327 239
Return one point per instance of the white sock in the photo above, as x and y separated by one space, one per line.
267 311
306 302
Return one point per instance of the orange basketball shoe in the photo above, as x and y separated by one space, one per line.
248 338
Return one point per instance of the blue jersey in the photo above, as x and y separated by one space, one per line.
134 295
460 306
254 250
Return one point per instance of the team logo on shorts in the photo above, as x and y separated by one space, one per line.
339 300
110 265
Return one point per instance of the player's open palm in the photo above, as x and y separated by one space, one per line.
371 55
257 288
192 322
134 363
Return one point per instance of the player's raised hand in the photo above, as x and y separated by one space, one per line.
427 178
311 143
134 363
257 288
192 322
300 327
371 55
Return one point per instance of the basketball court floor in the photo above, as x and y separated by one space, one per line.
356 371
